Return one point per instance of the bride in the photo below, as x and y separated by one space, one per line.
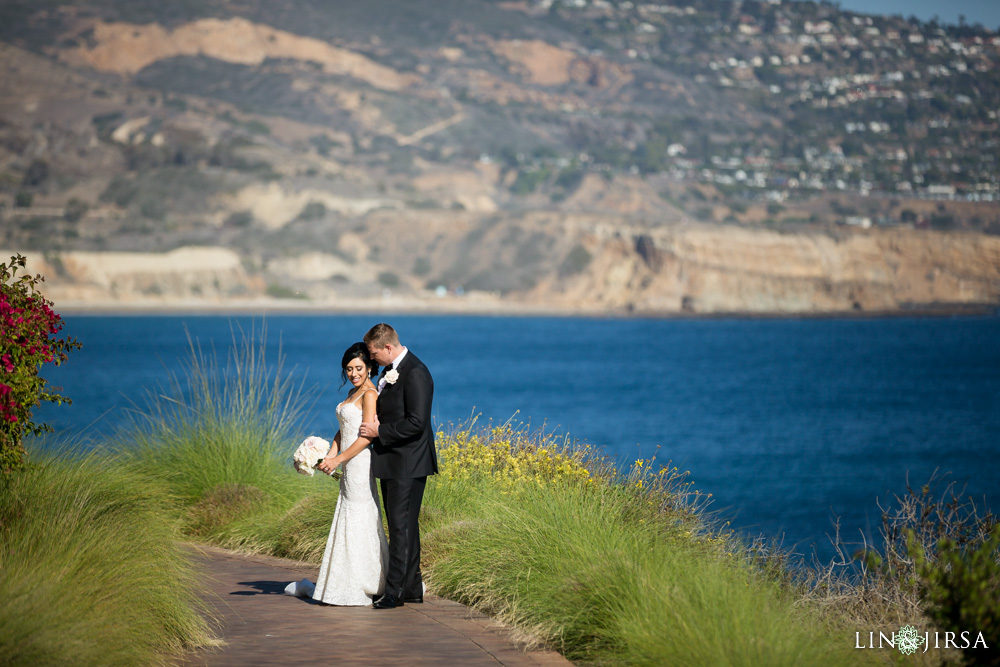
353 568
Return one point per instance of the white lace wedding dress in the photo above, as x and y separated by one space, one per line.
353 568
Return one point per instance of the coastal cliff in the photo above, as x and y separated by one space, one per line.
707 269
549 263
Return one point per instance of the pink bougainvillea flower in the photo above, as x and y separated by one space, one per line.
27 342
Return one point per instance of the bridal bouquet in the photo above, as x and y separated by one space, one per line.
310 454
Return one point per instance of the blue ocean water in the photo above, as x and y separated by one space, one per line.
787 422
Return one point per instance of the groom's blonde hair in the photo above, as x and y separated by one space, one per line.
381 335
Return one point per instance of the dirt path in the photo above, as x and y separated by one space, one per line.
262 626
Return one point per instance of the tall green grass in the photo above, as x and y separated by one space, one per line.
607 577
91 572
220 437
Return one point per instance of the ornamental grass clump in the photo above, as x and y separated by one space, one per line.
222 434
607 564
301 532
28 340
91 572
663 496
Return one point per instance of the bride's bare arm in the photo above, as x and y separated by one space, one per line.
367 414
334 448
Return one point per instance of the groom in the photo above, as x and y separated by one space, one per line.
403 457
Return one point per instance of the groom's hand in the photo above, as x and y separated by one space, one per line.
369 429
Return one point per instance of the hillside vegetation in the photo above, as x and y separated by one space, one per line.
479 155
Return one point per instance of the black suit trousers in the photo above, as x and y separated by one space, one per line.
402 498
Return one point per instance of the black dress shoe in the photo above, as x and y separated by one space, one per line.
419 600
387 601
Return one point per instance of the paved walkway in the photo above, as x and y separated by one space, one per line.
262 626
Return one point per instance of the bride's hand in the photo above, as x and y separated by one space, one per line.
327 465
369 429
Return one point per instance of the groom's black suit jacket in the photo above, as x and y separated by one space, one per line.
405 444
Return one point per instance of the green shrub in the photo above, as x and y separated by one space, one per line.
177 103
570 177
239 219
314 210
388 279
738 206
75 209
105 122
324 144
279 291
36 174
528 180
153 209
421 266
121 191
575 262
257 127
943 221
960 586
895 583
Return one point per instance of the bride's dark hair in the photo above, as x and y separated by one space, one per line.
357 351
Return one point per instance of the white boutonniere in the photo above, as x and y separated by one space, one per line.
391 376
